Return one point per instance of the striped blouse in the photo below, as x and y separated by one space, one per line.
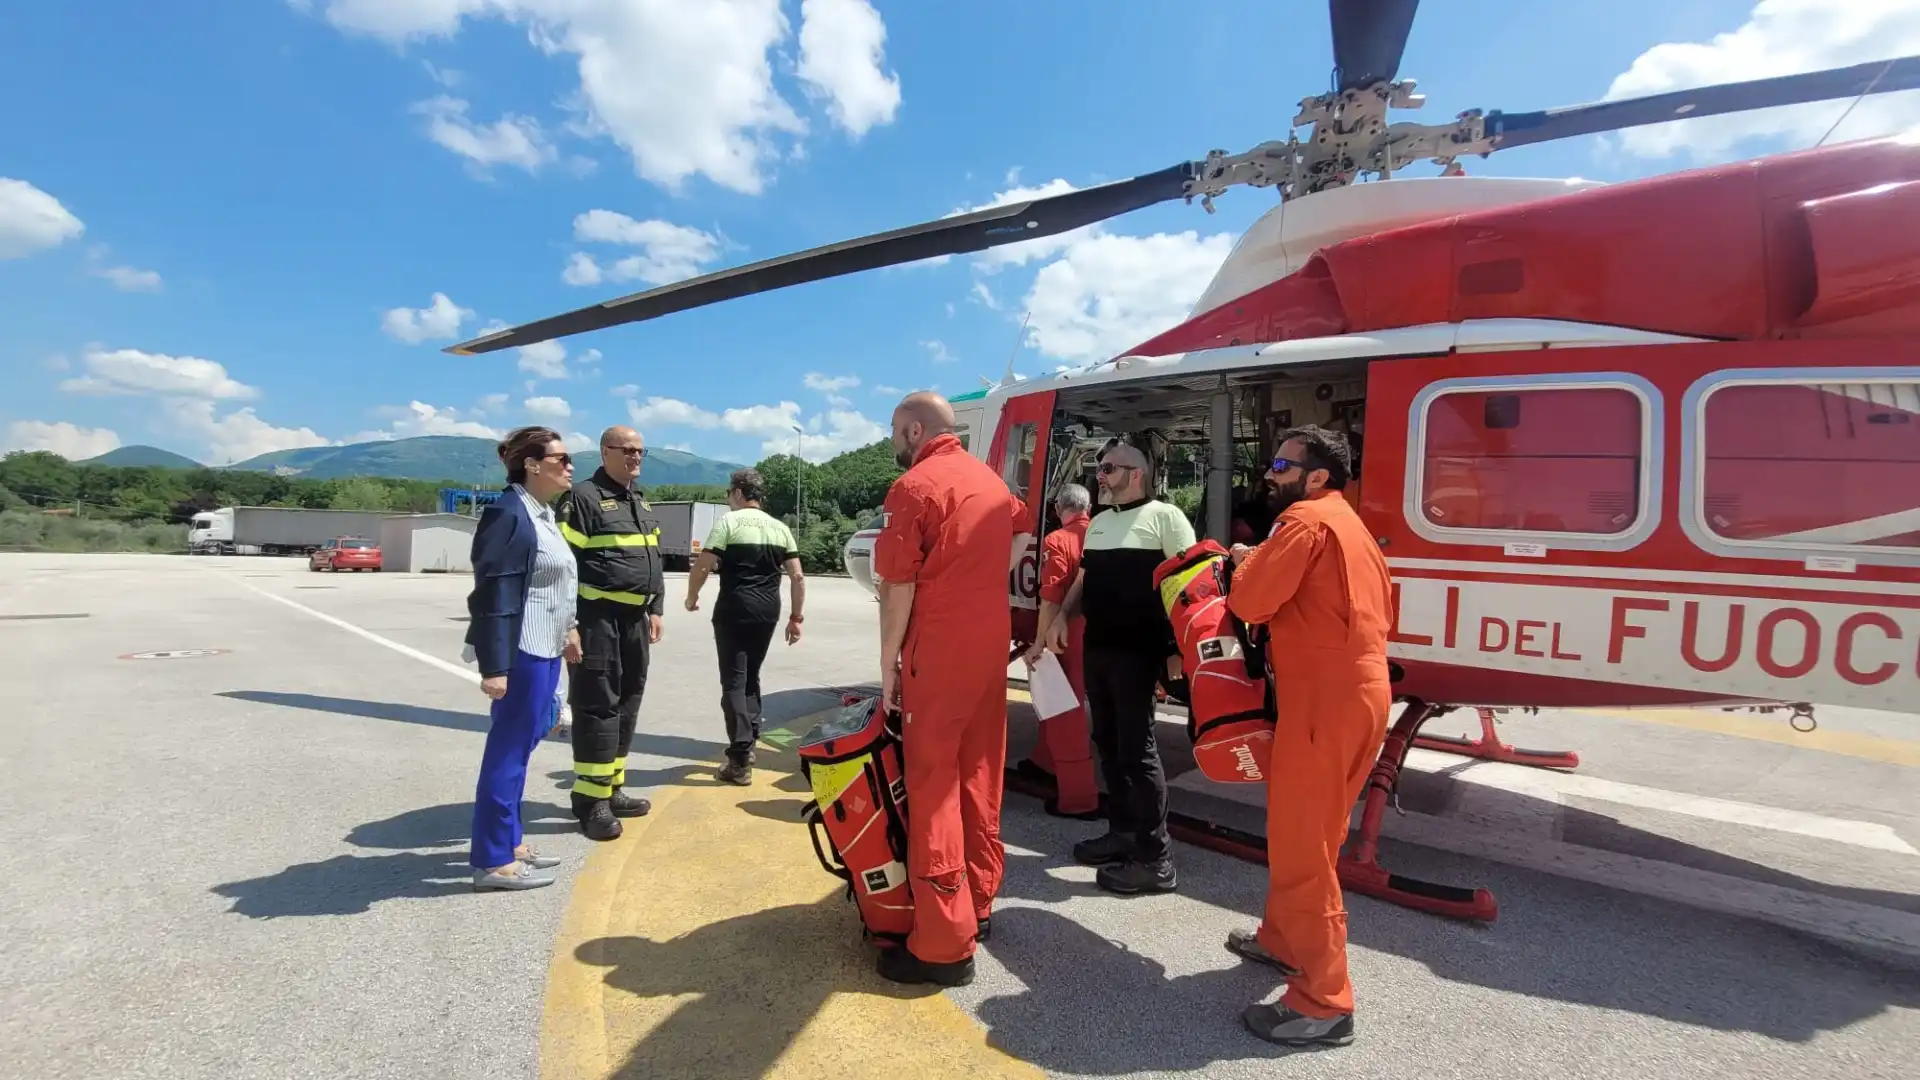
554 590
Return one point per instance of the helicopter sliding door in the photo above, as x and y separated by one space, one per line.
1019 455
1653 524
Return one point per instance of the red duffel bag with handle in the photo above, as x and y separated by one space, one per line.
853 761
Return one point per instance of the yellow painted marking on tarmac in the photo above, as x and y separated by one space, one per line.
1774 730
709 942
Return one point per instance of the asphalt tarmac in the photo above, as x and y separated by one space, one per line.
238 798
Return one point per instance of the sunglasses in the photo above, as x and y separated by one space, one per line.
1108 468
629 451
1282 464
564 459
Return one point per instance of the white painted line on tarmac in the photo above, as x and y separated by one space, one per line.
1828 917
447 666
1554 787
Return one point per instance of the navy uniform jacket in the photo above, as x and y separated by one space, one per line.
504 546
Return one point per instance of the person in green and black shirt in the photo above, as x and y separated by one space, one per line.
1128 643
750 549
615 538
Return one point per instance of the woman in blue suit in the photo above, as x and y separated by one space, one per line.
521 626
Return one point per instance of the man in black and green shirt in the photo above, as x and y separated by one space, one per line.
750 549
1128 643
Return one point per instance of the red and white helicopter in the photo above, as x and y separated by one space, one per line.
1652 443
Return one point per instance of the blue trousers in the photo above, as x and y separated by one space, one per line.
519 718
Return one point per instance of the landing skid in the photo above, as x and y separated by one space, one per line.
1488 747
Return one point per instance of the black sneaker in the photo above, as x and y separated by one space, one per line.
600 824
1111 848
1282 1026
899 965
1134 877
983 930
625 805
736 772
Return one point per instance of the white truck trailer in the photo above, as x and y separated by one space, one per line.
683 529
276 530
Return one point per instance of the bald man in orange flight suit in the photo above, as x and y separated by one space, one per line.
943 556
1320 587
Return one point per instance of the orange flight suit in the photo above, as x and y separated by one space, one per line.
1065 748
948 529
1321 587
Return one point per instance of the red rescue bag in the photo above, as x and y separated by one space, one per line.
853 761
1230 706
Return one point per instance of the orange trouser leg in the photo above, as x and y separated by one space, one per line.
1324 746
983 775
1068 740
939 718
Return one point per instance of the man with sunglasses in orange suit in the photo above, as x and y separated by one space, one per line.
1128 646
942 558
615 538
1320 587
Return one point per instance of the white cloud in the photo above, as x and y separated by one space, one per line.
440 319
32 221
419 418
69 441
1780 37
129 279
980 295
546 359
548 408
131 372
685 89
830 384
889 391
625 390
511 140
667 252
493 403
1112 292
238 435
937 352
836 431
842 45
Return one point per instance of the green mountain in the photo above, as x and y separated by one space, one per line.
462 458
133 457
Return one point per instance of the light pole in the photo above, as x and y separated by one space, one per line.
799 481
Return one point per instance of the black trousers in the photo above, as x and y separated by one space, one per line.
1120 689
605 689
742 647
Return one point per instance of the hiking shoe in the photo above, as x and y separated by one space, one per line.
736 772
625 805
899 965
1282 1026
1111 848
1246 944
1134 877
600 824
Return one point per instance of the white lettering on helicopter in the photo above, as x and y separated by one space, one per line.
1864 653
1023 577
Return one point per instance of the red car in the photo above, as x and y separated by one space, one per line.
345 553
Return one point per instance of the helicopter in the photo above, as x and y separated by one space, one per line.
1654 443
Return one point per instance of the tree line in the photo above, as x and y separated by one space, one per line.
50 503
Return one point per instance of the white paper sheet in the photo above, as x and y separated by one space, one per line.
1052 693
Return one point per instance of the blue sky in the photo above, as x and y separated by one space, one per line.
240 227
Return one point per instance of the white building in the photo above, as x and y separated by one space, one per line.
427 544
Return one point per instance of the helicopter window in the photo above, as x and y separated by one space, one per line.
1017 469
1809 466
1536 459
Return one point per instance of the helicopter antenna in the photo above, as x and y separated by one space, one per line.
1007 380
1868 89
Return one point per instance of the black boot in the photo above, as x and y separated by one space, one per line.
625 805
599 822
1111 848
736 772
899 965
1134 877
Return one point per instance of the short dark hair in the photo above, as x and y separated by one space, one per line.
1325 450
521 444
748 483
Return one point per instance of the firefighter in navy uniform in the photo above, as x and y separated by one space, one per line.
616 541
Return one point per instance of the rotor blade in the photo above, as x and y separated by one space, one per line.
955 235
1368 38
1508 130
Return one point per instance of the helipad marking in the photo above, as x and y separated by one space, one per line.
173 654
678 957
450 668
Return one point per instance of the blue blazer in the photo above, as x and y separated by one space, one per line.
504 546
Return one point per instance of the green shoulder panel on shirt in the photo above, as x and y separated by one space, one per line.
721 532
